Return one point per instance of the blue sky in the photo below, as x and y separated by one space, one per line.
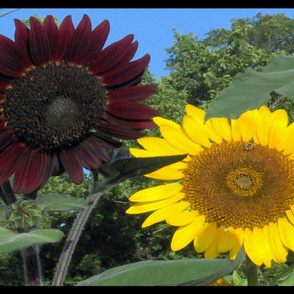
153 28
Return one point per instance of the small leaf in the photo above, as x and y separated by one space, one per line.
11 241
61 203
196 272
252 89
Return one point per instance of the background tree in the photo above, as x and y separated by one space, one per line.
203 68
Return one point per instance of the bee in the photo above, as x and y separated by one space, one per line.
249 145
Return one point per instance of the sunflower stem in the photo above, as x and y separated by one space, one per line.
74 235
32 266
251 272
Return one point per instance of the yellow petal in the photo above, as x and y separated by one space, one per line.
288 143
250 247
156 193
163 121
182 219
157 145
142 153
222 127
286 233
239 238
227 240
163 213
166 173
277 128
248 124
257 247
205 237
178 139
263 126
280 251
195 112
290 216
185 234
235 129
211 133
196 131
143 207
212 251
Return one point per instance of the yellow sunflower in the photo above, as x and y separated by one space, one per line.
234 188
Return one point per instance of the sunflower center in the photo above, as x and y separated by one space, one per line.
54 106
236 187
244 181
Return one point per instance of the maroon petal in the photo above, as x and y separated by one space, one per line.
122 74
22 178
38 42
21 35
66 30
52 33
78 45
131 52
46 164
33 171
129 110
97 40
72 165
105 139
6 139
133 124
132 94
13 62
9 159
120 131
92 154
111 55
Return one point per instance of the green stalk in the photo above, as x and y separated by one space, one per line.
251 272
32 266
74 235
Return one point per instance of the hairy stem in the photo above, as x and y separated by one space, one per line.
73 238
32 266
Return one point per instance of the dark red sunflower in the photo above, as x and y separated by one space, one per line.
64 100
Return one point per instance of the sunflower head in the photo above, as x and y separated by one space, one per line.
64 99
235 187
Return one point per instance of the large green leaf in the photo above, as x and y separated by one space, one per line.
194 272
61 203
251 89
11 241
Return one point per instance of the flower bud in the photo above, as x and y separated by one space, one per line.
24 214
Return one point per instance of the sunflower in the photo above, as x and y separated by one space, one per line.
64 99
234 188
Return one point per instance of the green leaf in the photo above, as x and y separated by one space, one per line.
288 280
126 168
196 272
11 241
251 89
3 209
61 203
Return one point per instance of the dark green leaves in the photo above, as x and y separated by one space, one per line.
126 168
252 89
190 272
